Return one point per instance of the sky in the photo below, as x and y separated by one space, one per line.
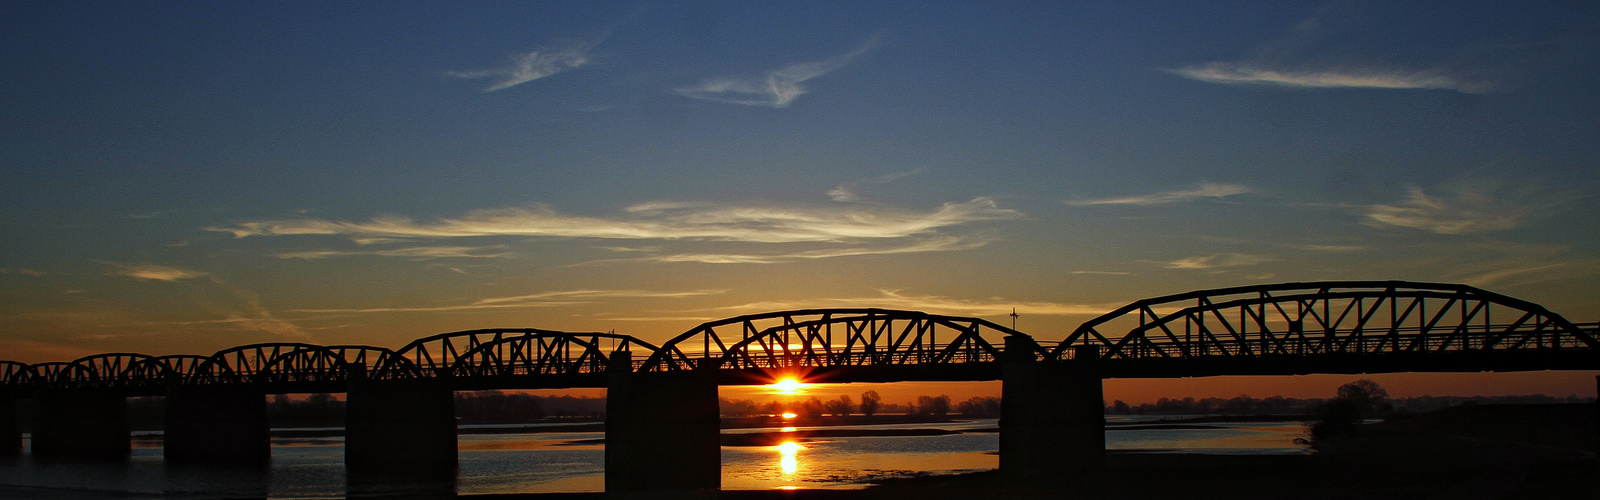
183 177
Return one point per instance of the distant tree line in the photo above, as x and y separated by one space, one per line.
317 410
1279 405
1242 404
871 403
497 407
327 410
478 407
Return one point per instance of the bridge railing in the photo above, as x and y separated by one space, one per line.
570 368
936 353
1346 341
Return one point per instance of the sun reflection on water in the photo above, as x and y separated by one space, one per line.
789 450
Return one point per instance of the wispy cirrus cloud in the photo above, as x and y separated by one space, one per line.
1320 52
1326 248
414 253
1469 207
774 89
1206 190
541 299
664 221
941 243
252 315
1216 261
152 272
523 67
1260 73
1497 275
936 304
848 192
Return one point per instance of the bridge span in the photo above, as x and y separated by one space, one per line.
662 399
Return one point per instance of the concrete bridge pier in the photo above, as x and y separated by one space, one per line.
216 426
399 433
80 424
1052 416
10 426
663 429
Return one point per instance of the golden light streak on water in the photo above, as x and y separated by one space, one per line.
789 462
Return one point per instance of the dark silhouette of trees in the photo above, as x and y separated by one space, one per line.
741 407
840 407
317 410
497 407
1367 395
929 405
1340 415
870 402
979 407
810 407
1239 405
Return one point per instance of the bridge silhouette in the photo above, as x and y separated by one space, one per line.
662 400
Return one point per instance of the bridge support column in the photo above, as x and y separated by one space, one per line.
216 425
80 424
1052 420
400 431
10 426
663 429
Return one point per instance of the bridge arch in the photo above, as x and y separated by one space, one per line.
827 337
13 373
1325 318
170 368
436 355
107 370
545 352
372 360
56 373
271 362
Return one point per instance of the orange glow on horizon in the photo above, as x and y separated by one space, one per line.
789 415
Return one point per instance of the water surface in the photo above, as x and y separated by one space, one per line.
572 462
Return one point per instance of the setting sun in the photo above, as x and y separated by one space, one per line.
788 386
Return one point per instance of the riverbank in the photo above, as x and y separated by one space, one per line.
1503 452
1512 452
1507 452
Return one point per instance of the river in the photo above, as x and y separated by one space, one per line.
564 462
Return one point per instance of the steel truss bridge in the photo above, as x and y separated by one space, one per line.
1289 328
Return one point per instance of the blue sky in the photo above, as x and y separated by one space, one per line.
188 176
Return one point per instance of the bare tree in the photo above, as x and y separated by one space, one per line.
1365 395
842 406
870 401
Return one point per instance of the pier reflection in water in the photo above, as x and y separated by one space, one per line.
574 462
